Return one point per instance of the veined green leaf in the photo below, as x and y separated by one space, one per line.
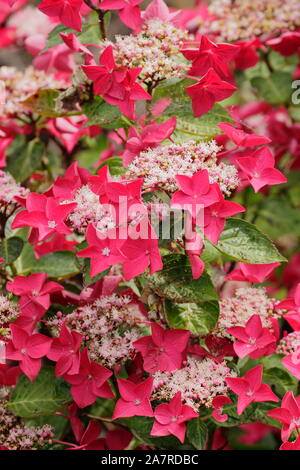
175 282
243 242
45 395
199 318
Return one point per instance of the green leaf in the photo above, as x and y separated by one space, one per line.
10 249
243 242
293 190
18 232
42 102
90 33
200 318
115 165
197 433
204 127
276 374
54 38
173 88
210 253
277 217
282 64
260 414
27 259
201 128
25 158
87 279
259 70
104 114
60 264
103 408
89 156
275 89
44 396
281 379
175 282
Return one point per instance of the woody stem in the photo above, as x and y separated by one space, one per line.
102 24
100 14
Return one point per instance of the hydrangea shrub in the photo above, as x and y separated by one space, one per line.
149 225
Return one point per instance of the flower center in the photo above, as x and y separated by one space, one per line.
51 223
252 341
